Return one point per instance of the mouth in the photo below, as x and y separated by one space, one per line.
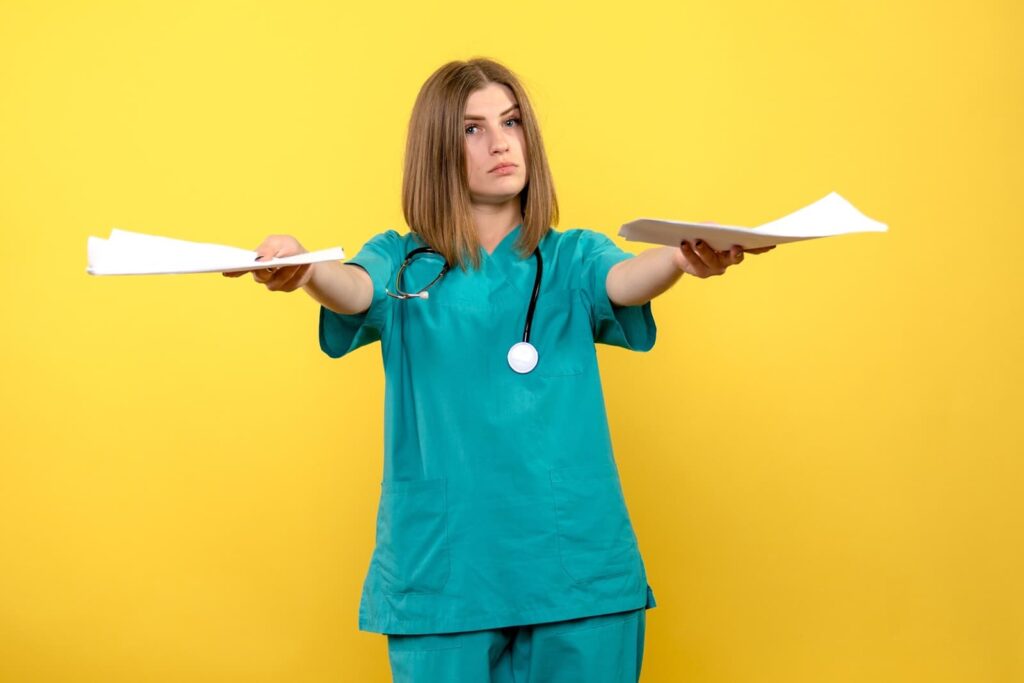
502 167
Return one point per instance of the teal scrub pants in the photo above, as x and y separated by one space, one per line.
608 648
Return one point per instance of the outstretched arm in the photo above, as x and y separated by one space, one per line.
637 280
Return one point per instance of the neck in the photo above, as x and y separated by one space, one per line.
494 222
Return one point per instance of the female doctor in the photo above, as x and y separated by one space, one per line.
504 549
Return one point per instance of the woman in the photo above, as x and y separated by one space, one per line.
504 548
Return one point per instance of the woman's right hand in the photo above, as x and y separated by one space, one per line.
281 278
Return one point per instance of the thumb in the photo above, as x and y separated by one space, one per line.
266 253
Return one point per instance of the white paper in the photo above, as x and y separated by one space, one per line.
136 253
830 215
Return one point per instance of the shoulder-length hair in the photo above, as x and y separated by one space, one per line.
435 184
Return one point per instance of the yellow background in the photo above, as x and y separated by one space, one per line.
821 455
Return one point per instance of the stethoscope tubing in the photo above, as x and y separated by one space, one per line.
534 295
398 277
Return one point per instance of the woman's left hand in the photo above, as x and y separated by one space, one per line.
702 261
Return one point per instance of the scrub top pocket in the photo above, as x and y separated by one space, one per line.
412 536
595 536
561 333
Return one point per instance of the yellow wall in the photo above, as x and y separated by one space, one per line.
822 454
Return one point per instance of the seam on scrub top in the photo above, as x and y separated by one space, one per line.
558 535
447 552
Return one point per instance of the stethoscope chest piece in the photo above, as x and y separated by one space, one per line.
522 357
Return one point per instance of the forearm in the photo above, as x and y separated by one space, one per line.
637 280
343 289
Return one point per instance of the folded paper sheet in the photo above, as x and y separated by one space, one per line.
135 253
830 215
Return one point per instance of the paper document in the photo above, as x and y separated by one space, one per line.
135 253
830 215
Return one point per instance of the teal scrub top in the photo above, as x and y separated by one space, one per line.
500 503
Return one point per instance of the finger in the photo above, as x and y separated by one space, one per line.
269 248
280 277
274 278
262 275
710 257
760 250
725 258
292 283
736 254
697 265
280 245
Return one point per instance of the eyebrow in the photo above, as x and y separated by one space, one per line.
470 117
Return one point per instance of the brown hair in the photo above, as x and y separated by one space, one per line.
435 186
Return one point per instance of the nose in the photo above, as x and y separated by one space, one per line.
499 141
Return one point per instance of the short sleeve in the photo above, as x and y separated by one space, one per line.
631 327
343 333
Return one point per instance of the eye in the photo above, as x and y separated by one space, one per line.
470 126
518 121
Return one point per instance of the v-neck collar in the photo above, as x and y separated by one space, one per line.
507 239
506 263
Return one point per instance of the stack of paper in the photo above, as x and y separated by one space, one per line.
135 253
830 215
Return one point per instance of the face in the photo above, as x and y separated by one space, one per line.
494 135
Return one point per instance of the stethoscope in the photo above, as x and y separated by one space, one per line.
522 357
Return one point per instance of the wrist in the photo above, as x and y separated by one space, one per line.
678 260
314 284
